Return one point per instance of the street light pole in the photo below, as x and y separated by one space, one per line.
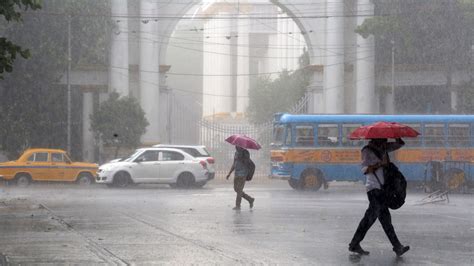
471 78
393 68
69 84
170 109
390 98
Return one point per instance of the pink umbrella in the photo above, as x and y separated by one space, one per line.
243 141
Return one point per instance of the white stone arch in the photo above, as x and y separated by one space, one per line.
168 26
333 75
302 23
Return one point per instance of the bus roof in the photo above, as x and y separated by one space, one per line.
336 118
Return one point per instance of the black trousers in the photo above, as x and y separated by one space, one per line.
377 209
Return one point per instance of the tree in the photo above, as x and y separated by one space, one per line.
8 49
32 102
267 96
119 122
435 33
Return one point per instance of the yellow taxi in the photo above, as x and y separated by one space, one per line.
47 165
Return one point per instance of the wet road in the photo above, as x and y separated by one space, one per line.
58 224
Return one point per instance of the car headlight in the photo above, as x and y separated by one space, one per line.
103 170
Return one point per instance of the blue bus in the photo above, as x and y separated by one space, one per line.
310 150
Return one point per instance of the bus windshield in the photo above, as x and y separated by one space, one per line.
279 135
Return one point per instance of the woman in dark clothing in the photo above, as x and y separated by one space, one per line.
240 166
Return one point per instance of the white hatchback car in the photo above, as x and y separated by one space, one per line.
155 165
197 151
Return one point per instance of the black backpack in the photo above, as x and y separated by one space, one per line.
251 168
395 185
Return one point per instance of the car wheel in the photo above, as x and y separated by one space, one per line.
23 180
185 180
121 179
84 179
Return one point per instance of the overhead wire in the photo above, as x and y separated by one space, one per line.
184 17
141 39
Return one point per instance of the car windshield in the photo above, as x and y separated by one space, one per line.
129 158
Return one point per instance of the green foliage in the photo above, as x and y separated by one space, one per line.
32 104
9 11
9 50
466 99
267 96
119 122
423 34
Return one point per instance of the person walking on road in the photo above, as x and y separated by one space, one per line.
374 158
241 168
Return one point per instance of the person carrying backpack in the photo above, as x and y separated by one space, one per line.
242 167
374 159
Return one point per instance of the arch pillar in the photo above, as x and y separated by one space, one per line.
334 65
243 59
119 65
217 68
149 69
365 56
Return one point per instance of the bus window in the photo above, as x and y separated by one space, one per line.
459 135
328 135
346 131
304 135
413 142
289 133
434 135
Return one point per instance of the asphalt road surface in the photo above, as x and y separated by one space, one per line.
67 224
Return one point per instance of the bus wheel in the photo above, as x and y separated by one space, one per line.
454 178
311 179
295 184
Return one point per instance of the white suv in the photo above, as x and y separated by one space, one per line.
155 165
197 151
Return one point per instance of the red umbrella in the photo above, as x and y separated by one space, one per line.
384 130
243 141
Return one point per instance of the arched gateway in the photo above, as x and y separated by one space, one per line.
342 62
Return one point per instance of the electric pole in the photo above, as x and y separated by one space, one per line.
68 84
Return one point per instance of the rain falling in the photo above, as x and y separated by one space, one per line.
230 132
